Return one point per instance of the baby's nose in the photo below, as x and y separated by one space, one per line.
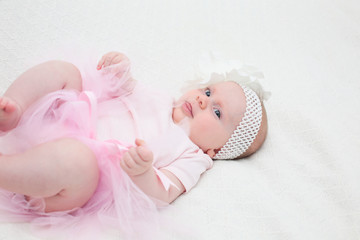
202 100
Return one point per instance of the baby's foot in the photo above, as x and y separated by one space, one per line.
9 114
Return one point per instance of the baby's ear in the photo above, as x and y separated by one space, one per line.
211 152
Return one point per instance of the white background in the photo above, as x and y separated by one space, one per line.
305 181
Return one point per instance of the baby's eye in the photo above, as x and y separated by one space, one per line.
217 112
207 92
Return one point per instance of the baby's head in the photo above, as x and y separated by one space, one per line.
226 120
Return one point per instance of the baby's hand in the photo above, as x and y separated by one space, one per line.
137 160
111 58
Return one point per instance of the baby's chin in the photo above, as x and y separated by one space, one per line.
177 113
184 124
179 117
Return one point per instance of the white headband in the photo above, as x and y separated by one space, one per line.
247 130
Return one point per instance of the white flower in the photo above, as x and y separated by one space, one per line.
211 70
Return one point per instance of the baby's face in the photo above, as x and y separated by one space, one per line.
213 113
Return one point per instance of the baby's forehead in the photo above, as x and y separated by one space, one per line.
233 99
227 86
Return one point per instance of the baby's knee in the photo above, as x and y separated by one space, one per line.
82 173
79 156
68 72
76 163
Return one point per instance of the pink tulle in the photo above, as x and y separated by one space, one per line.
117 202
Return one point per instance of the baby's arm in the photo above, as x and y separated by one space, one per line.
137 163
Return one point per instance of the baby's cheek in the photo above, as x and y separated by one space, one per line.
203 124
207 126
212 132
208 131
200 128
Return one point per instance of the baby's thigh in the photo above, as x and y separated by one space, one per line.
80 174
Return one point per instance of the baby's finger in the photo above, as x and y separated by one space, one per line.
116 60
107 61
135 156
145 153
123 163
127 161
140 142
119 58
101 63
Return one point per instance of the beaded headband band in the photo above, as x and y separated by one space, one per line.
247 130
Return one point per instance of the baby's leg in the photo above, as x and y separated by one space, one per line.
32 85
64 172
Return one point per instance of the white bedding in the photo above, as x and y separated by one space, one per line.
305 181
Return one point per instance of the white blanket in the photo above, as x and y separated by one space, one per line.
304 183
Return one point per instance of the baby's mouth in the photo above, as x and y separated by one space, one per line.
187 108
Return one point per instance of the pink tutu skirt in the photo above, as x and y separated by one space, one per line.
117 202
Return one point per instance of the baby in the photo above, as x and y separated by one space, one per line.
57 157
